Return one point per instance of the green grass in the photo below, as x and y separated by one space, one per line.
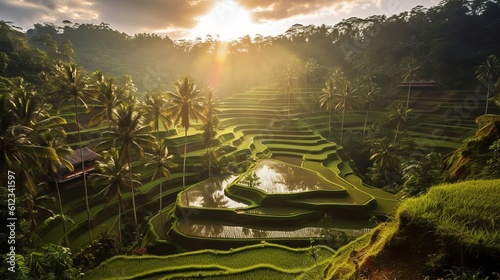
260 261
453 225
467 211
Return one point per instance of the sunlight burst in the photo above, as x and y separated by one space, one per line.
227 20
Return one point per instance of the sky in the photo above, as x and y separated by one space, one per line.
188 19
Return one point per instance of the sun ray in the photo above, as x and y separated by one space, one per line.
227 20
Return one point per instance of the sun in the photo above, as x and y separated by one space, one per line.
226 20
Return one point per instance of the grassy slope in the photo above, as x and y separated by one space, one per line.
454 226
251 262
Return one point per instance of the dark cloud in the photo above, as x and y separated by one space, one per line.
281 9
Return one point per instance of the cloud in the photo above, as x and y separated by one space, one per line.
263 10
153 14
125 15
28 12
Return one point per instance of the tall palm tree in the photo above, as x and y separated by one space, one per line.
161 161
55 139
309 71
288 81
326 100
401 116
107 100
129 135
369 100
486 71
186 105
210 126
345 98
410 72
114 180
71 84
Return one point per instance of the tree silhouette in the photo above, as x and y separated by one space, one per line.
369 100
186 105
410 72
114 180
161 161
345 99
129 135
486 71
71 84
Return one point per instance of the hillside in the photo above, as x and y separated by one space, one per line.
450 232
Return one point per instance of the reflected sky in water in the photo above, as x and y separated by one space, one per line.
225 231
278 177
210 193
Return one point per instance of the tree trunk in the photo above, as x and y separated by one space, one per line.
61 209
120 223
364 127
487 95
161 195
83 170
133 197
408 99
330 122
342 128
209 162
184 164
397 130
289 96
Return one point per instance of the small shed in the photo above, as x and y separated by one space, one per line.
85 155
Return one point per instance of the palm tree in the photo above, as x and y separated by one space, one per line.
401 115
326 100
28 108
486 71
19 152
386 163
410 72
154 110
210 126
107 100
369 100
112 178
161 161
71 84
186 105
385 155
345 98
287 82
55 139
309 70
128 135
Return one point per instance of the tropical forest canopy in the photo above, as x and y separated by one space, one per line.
448 41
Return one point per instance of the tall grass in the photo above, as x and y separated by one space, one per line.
468 211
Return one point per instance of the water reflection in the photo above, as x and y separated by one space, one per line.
279 177
210 193
213 230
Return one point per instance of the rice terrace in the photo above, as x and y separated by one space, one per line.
364 149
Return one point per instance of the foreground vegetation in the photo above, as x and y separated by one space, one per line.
450 232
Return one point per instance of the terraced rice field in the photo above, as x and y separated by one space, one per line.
258 124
